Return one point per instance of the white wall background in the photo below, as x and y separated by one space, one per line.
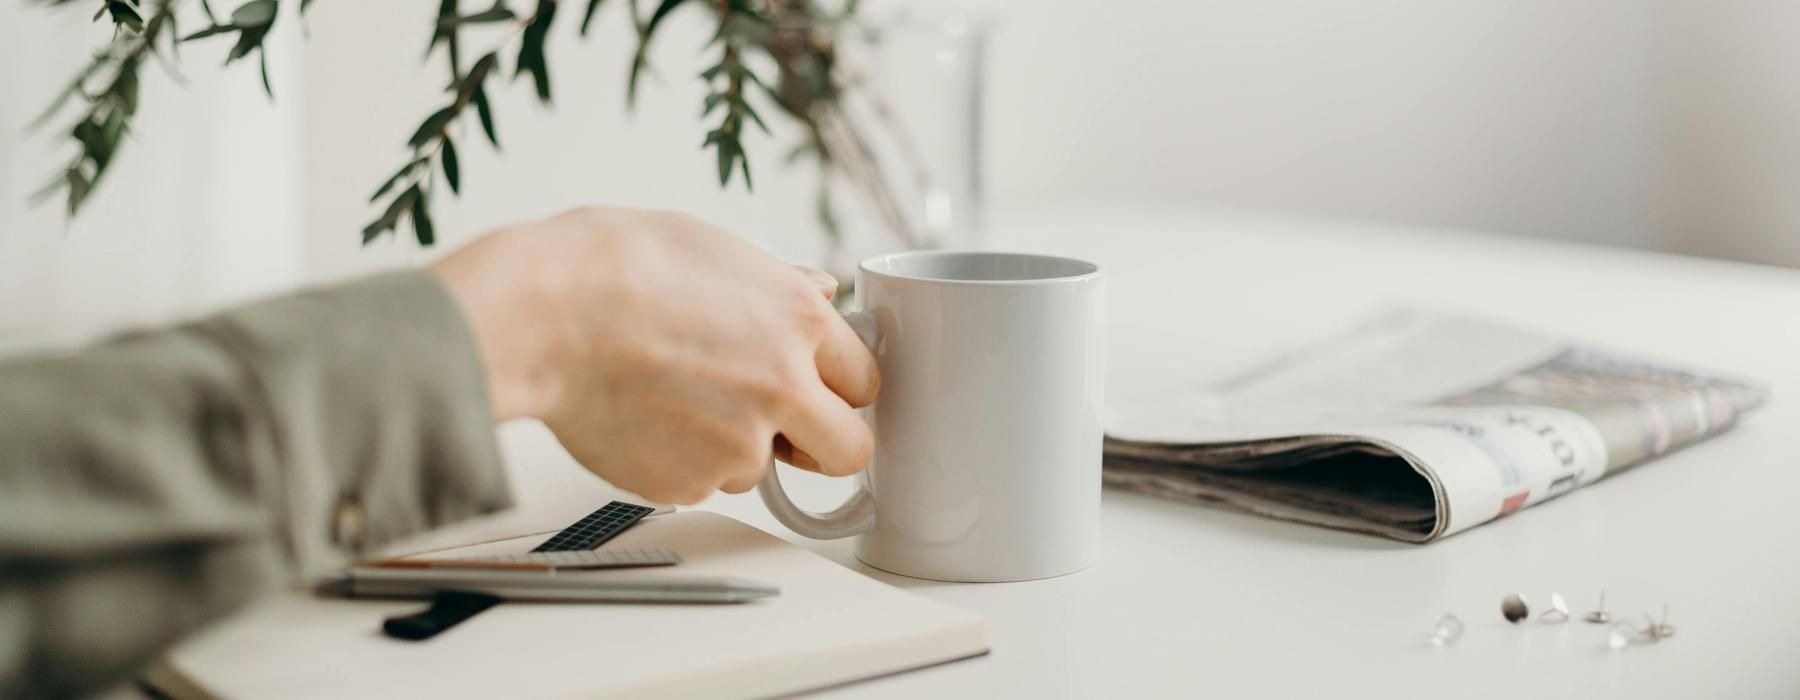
1671 124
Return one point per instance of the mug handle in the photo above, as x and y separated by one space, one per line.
857 515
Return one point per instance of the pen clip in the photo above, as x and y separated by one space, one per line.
448 609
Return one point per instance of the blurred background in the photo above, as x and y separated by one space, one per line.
1661 124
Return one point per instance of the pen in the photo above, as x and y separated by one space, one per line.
389 582
542 561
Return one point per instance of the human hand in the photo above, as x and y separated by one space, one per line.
668 356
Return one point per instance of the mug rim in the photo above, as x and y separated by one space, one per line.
1094 270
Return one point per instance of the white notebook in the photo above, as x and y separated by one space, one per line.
830 625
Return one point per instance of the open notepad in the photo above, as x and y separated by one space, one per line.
830 625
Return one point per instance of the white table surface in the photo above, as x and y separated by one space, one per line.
1187 601
1192 602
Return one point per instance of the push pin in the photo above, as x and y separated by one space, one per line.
1649 633
1621 635
1663 630
1624 634
1654 631
1558 612
1514 608
1599 616
1447 630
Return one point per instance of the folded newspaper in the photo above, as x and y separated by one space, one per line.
1417 425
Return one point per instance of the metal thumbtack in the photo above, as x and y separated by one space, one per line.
1624 634
1620 635
1599 616
1663 630
1447 630
1558 612
1647 634
1514 608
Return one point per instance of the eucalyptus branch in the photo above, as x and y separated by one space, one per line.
100 132
252 21
796 35
858 162
729 77
431 144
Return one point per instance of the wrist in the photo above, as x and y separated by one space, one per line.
498 281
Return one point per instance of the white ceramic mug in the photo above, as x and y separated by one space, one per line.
987 429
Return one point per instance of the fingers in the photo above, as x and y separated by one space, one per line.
827 430
787 454
843 360
847 366
744 483
827 284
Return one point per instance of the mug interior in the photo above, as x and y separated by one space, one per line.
971 266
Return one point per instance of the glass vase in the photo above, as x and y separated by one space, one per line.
898 143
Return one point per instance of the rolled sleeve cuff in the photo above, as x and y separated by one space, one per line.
377 414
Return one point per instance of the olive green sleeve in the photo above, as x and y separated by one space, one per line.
153 483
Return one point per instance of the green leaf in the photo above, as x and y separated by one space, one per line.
531 49
126 87
483 65
452 169
744 105
114 128
206 7
123 13
395 180
641 58
248 40
466 85
587 17
209 31
446 19
262 58
79 188
433 126
486 114
744 163
750 75
662 10
493 14
391 217
256 13
743 9
421 218
712 103
727 152
639 61
94 145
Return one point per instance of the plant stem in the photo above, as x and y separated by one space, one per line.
853 154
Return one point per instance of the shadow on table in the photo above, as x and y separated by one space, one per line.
1171 513
1173 518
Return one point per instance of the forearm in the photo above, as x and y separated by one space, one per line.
154 483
